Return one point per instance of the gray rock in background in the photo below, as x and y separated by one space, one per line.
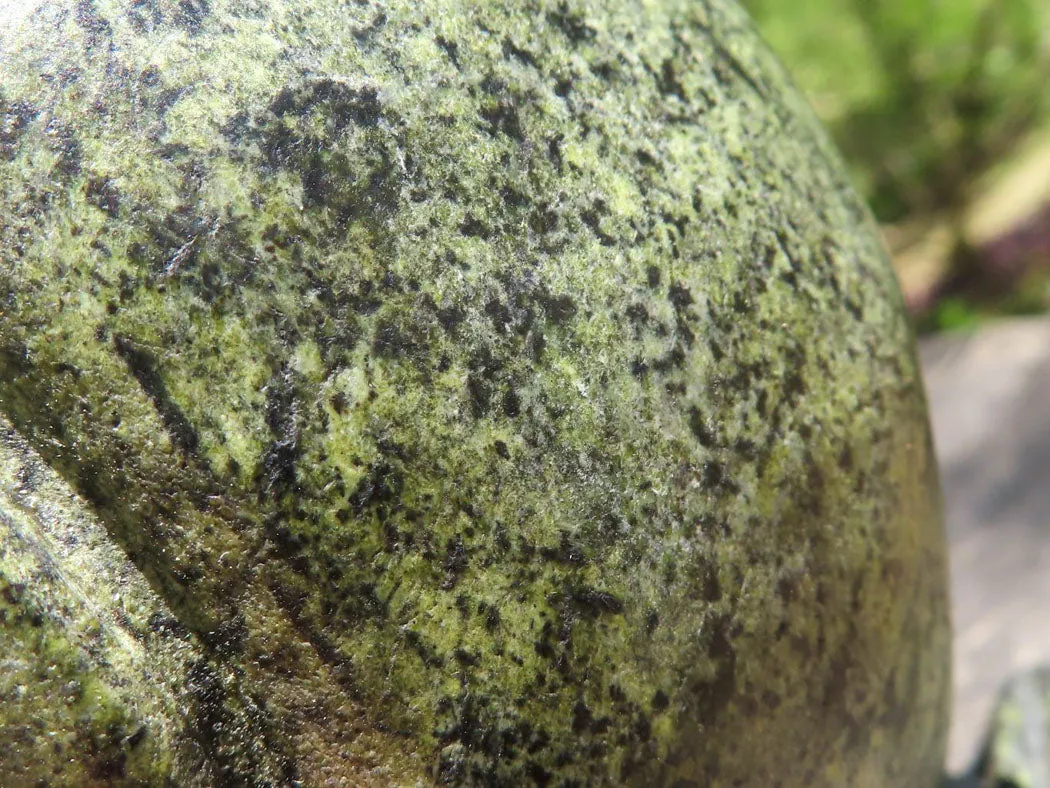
990 401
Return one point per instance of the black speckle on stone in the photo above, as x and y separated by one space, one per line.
144 368
450 317
660 701
701 429
538 774
668 81
366 33
679 296
278 463
605 70
715 476
544 649
652 621
836 682
423 649
451 767
492 618
762 404
450 48
14 593
66 146
855 309
498 313
572 24
543 220
390 340
592 602
846 461
568 552
645 158
94 26
788 249
537 344
463 605
103 194
14 118
235 128
512 197
742 304
472 227
727 66
361 602
592 218
710 587
339 403
456 560
381 486
65 368
166 626
228 637
581 717
771 700
149 77
637 314
501 117
137 737
511 50
652 276
340 102
208 696
190 15
464 657
554 151
559 308
288 544
479 391
511 404
108 760
787 589
712 696
642 729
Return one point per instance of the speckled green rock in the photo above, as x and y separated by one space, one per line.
493 393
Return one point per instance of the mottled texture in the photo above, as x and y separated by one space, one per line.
497 393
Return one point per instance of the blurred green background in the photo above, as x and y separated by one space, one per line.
942 109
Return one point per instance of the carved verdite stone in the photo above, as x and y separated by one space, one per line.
426 392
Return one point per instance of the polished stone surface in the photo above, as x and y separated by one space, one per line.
495 393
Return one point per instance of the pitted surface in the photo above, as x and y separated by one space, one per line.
511 393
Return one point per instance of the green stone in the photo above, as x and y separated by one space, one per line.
492 393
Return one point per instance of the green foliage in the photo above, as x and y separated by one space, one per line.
950 314
922 97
